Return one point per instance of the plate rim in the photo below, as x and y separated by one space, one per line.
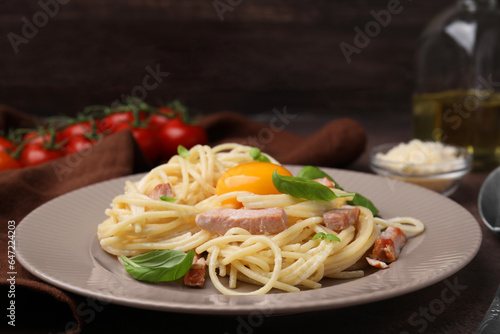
246 308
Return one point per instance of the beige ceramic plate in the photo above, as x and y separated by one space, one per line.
57 242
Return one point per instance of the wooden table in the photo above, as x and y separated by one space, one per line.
264 54
417 312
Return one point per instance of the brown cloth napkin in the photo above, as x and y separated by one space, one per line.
337 143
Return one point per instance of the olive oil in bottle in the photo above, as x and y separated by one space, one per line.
469 119
457 84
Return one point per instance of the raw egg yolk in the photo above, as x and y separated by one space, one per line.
254 177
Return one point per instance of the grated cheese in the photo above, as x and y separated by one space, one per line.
418 157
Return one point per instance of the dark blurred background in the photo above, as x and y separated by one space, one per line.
249 56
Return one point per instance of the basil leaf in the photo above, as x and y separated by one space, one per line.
254 153
318 235
257 155
182 151
300 187
332 237
159 265
311 172
324 236
360 200
168 199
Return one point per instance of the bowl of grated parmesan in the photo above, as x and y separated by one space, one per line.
432 165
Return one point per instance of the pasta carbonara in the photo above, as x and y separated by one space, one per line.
297 256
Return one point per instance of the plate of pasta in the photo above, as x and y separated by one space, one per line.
229 230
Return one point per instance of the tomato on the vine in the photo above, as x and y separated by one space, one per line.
7 162
158 131
78 129
159 119
166 111
6 144
80 135
42 138
35 154
145 138
175 133
78 143
109 123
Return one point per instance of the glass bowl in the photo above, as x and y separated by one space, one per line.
442 177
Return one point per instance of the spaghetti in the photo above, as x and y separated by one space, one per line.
138 223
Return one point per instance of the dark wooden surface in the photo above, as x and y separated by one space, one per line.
264 54
478 282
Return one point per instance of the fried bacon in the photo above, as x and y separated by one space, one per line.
341 218
162 189
326 182
260 221
196 275
388 245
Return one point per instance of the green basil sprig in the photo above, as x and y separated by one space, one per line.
168 199
360 200
311 172
257 155
182 151
300 187
159 265
325 236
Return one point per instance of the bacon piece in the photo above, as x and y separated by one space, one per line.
162 189
261 221
341 218
377 263
196 275
389 244
326 182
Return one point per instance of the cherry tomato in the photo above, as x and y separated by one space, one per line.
35 138
77 130
36 154
78 143
156 121
175 133
108 124
7 162
255 177
119 117
145 138
6 144
168 112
